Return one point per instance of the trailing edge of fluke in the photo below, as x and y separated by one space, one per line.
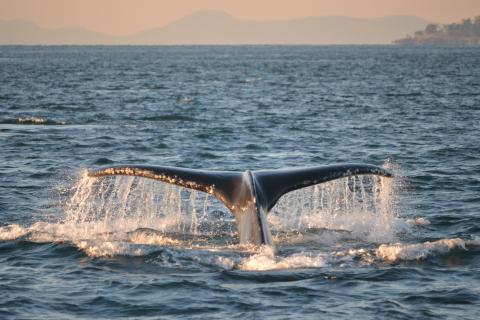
248 195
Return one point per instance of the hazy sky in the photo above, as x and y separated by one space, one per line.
128 16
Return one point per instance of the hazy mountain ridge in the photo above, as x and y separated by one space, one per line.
25 32
216 27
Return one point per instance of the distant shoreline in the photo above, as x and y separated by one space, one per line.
439 41
465 33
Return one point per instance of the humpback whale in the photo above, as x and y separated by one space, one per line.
248 195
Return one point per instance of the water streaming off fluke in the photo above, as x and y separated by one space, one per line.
362 206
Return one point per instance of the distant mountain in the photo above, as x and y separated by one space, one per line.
24 32
216 27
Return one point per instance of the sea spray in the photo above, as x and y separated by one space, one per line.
367 207
123 204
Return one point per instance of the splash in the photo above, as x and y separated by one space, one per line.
366 207
124 204
131 216
120 215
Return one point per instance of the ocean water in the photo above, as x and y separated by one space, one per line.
74 247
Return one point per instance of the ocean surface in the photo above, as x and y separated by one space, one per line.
75 247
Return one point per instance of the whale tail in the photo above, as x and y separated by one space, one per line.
248 195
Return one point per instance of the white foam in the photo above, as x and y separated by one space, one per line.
418 222
417 251
267 260
38 121
225 262
98 248
12 232
96 239
33 120
152 239
186 99
346 257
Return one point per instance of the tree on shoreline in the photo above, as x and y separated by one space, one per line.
466 32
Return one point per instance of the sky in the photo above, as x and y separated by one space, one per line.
123 17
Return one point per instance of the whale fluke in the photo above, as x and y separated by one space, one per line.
275 183
248 195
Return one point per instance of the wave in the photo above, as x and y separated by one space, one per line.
170 117
32 121
96 248
417 251
391 253
12 232
95 240
144 242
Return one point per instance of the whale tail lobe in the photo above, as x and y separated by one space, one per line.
248 195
